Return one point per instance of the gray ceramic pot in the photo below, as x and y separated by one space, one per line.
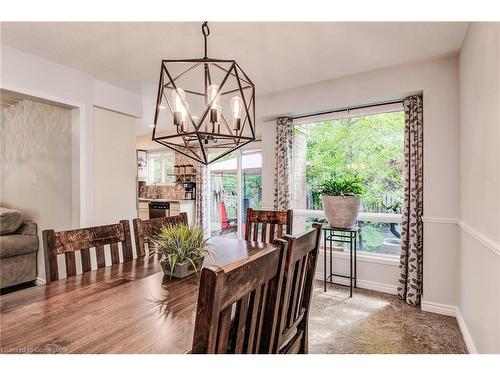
341 212
182 269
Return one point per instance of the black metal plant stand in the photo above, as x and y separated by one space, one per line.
332 235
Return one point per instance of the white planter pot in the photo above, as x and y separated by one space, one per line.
341 212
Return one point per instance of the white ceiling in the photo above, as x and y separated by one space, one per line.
275 55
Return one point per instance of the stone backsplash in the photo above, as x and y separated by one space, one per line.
162 191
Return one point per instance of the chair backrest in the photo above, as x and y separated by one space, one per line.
265 226
238 304
295 300
69 242
144 230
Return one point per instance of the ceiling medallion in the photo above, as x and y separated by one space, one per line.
205 107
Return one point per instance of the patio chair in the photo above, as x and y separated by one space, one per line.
227 225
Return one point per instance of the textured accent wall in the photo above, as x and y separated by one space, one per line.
36 165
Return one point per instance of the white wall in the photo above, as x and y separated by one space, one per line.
438 81
31 75
36 165
479 225
115 167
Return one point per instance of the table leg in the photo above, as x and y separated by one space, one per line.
332 237
350 263
324 258
355 261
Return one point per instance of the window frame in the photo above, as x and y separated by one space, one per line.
159 155
253 147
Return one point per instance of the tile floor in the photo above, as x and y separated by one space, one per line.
374 322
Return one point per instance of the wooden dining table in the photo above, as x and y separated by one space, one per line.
130 307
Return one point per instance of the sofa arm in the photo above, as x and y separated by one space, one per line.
27 228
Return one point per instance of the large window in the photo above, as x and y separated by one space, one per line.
369 147
161 167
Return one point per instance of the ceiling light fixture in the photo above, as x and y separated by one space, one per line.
211 106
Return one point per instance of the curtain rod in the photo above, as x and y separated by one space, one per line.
344 109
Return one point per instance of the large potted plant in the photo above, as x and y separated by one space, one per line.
340 199
182 249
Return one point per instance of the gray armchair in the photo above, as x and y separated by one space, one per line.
18 249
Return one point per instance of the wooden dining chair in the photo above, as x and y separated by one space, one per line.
295 301
265 226
144 230
238 304
69 242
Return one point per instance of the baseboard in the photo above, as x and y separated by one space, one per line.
438 308
40 281
364 284
466 334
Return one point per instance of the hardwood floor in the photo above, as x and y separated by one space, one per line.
373 322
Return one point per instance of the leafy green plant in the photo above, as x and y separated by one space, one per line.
180 243
341 186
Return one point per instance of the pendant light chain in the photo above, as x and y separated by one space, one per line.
206 32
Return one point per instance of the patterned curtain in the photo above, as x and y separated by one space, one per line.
410 266
283 169
201 210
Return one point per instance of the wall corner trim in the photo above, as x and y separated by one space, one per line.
486 241
439 220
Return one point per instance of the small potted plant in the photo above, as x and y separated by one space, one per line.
340 199
181 248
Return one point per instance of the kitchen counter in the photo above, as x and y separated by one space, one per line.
176 207
164 200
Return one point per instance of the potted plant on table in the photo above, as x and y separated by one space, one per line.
181 248
341 198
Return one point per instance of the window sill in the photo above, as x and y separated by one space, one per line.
365 257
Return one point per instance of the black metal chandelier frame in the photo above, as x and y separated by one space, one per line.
204 139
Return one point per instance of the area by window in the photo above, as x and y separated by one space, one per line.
161 167
366 146
235 185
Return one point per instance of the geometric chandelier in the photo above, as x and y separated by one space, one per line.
205 107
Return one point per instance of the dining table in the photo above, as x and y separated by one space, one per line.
131 307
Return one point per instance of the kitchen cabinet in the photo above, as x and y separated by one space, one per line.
176 207
143 212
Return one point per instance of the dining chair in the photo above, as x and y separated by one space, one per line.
258 221
144 230
295 300
69 242
238 304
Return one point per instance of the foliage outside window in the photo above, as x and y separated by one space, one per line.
161 167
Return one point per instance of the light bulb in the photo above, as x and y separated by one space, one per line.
178 96
184 117
213 95
213 100
236 110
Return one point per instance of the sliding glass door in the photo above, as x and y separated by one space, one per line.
235 185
